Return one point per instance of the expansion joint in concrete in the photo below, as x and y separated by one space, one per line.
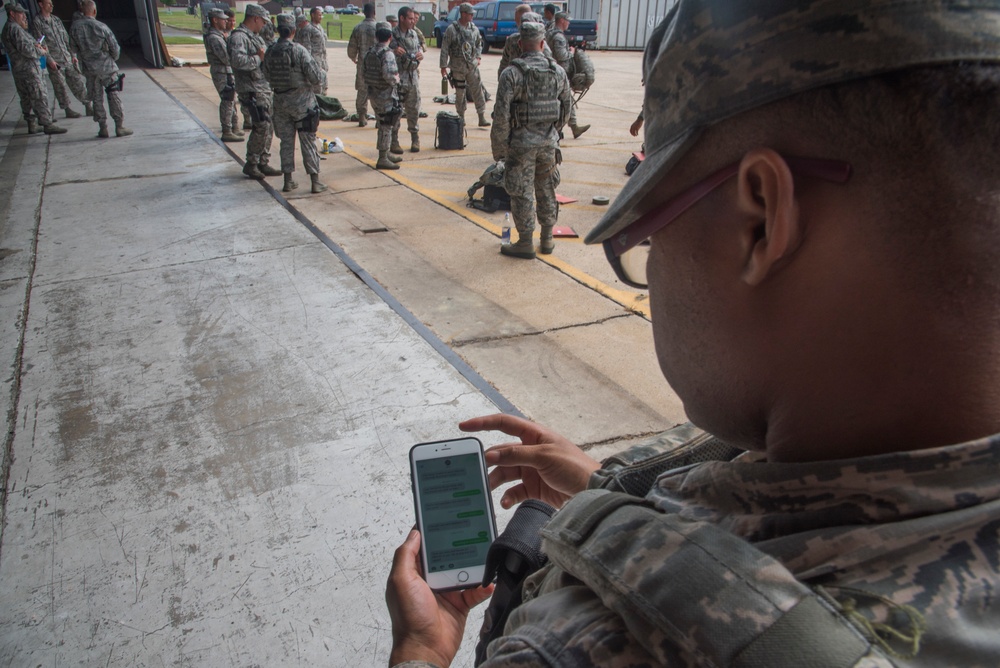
22 328
115 178
518 335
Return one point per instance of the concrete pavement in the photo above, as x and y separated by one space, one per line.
211 390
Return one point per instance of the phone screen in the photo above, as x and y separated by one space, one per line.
455 509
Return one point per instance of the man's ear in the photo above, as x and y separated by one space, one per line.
766 192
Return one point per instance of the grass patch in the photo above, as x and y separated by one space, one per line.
182 40
180 19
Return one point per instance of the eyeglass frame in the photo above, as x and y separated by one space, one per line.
657 218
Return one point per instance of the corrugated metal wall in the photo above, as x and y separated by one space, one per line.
622 24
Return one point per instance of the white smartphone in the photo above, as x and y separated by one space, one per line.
451 494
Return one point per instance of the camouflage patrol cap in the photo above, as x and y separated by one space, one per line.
561 15
532 31
301 18
465 8
286 21
255 10
531 17
216 14
709 60
15 8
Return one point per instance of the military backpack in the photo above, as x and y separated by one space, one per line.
583 72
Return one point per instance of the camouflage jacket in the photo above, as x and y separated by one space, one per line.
362 39
20 48
56 37
312 37
408 63
461 47
512 50
216 52
95 46
244 47
878 533
556 40
507 134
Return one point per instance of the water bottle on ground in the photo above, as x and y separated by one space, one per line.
505 230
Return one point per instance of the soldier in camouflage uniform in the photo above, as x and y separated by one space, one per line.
409 52
293 73
824 289
97 50
533 100
309 34
563 54
512 46
24 52
62 65
246 53
382 78
267 32
217 54
461 48
361 41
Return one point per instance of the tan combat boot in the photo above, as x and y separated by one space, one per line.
121 130
384 162
230 136
70 113
250 169
483 123
290 184
523 249
395 147
53 129
102 131
546 243
578 130
317 187
32 126
414 142
268 170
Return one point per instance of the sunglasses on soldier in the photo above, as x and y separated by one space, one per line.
628 250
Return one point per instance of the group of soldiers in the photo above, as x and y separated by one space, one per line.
276 85
82 60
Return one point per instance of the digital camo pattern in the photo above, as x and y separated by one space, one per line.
288 63
96 47
262 132
920 529
506 135
217 54
556 41
530 151
20 48
709 60
409 75
382 77
361 41
267 33
512 51
461 48
66 75
244 58
312 37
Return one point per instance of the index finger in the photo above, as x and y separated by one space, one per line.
508 424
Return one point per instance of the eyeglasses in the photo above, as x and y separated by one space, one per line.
628 250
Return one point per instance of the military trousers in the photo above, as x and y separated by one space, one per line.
409 98
97 91
31 91
361 103
227 108
262 133
287 113
384 104
530 178
65 79
471 81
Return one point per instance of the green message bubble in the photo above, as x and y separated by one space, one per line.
471 513
468 492
469 541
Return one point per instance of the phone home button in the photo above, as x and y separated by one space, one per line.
463 576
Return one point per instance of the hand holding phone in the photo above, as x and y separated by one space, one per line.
454 510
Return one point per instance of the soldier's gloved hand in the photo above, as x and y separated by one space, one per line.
547 466
425 626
